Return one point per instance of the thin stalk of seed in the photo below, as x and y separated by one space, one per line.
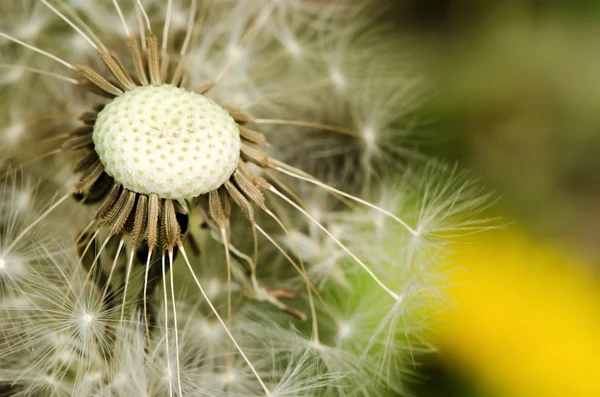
339 243
216 313
351 197
39 51
70 23
175 323
81 22
39 71
166 304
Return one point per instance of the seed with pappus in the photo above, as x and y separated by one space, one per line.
213 261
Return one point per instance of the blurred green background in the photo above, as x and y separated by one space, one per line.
517 100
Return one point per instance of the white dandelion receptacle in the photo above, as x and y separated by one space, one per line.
167 140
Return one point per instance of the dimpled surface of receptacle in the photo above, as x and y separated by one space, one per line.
166 140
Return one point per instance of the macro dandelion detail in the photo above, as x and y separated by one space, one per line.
206 221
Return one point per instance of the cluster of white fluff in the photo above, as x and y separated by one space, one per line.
59 337
332 90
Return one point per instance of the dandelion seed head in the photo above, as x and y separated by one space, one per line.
168 141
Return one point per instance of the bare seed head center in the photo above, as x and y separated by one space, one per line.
167 140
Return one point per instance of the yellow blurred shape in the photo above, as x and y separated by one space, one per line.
527 318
